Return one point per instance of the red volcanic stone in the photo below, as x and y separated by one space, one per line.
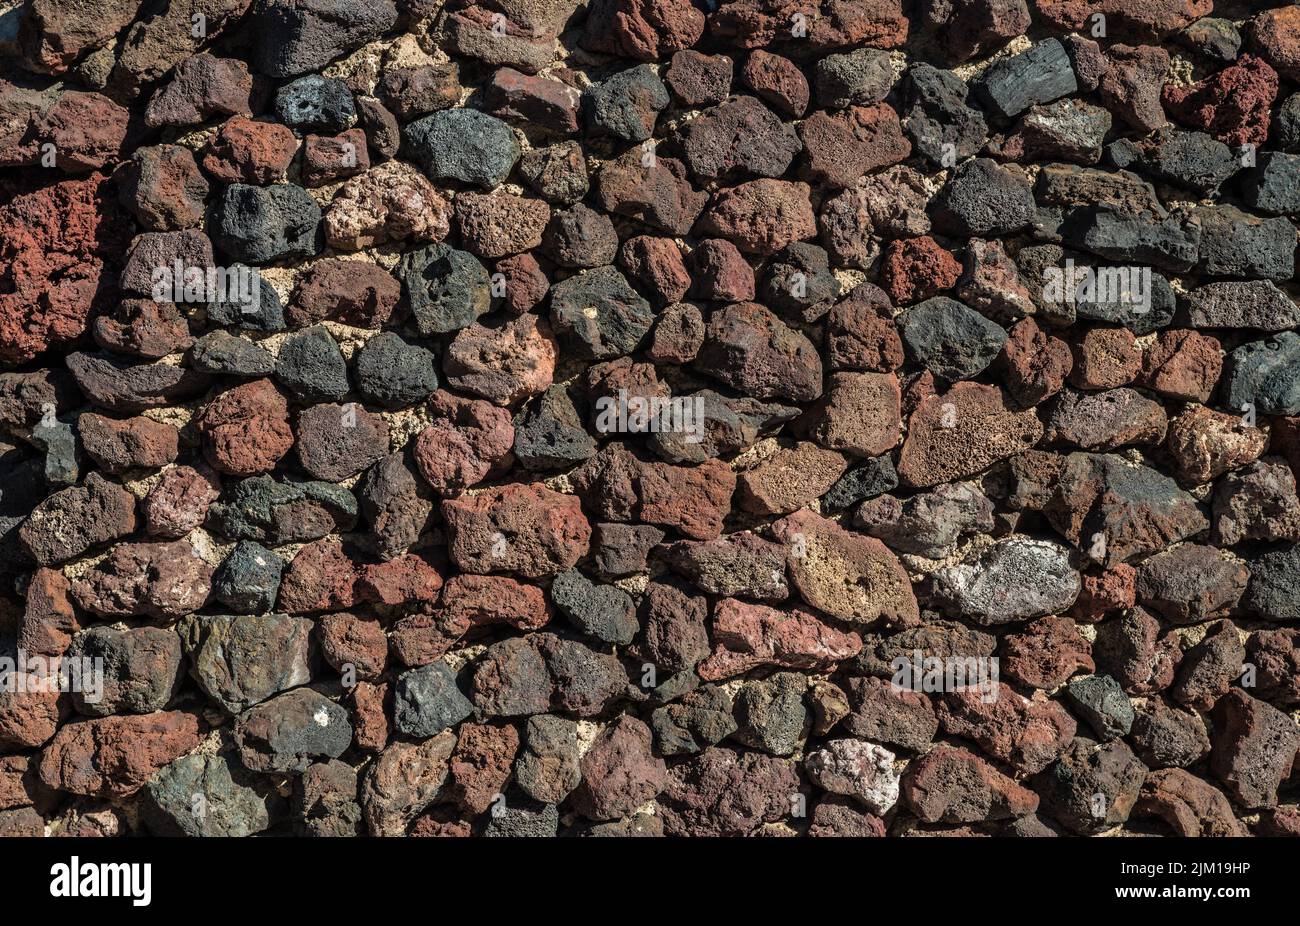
29 710
53 241
961 433
720 272
747 347
116 756
1205 444
841 148
831 24
201 87
1275 35
468 602
146 580
1046 653
1034 363
1190 805
657 194
353 292
467 441
500 224
644 30
760 217
620 771
1130 83
1022 733
789 479
778 81
1105 358
1232 105
861 334
1131 650
350 640
370 724
953 785
503 364
335 442
895 715
525 283
118 445
694 500
848 575
698 79
88 131
722 792
163 188
391 202
481 764
746 636
245 430
674 637
1182 364
860 413
656 265
328 159
1101 593
1252 748
143 328
542 101
678 334
402 580
1152 19
991 283
836 815
244 151
49 619
914 269
321 577
527 529
73 520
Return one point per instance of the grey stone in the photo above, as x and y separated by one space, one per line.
626 104
464 145
1015 579
858 77
605 612
1237 244
315 104
447 289
770 714
311 366
950 339
1274 590
599 315
241 660
1265 375
1273 186
257 225
983 199
220 352
1102 702
1039 75
394 374
426 701
248 579
287 733
1242 304
549 433
207 795
298 36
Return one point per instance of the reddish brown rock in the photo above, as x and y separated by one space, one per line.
720 272
1205 444
722 792
73 520
30 710
353 292
503 364
321 577
952 785
143 328
658 194
619 772
789 479
760 217
53 241
836 815
542 101
244 151
851 576
525 283
335 442
656 265
1046 653
1232 105
402 580
1276 657
1101 593
643 30
1131 650
895 715
1130 84
329 159
245 430
527 529
201 87
347 640
914 269
694 500
746 636
860 413
841 148
777 80
749 348
1275 35
861 334
698 79
678 334
49 620
370 724
1155 19
115 756
500 224
1182 364
163 188
146 580
1034 363
403 781
832 25
961 433
1191 583
117 445
178 502
1025 734
1190 805
991 283
468 440
1253 747
1209 668
1105 358
481 764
